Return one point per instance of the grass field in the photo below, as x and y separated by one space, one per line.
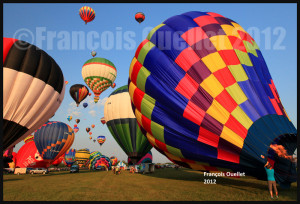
162 185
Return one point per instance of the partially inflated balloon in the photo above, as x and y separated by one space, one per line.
33 89
123 125
99 74
203 95
82 156
28 156
78 92
146 159
113 160
87 14
53 139
70 157
101 140
58 161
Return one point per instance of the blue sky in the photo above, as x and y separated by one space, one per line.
273 26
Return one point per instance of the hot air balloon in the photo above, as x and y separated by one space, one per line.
90 133
28 138
146 159
210 102
100 161
53 139
103 120
58 161
87 129
82 156
93 53
78 92
94 155
90 94
85 105
113 85
87 14
113 160
69 118
90 138
75 125
28 156
76 129
101 140
66 82
33 89
123 125
93 126
139 17
94 140
77 121
99 74
70 157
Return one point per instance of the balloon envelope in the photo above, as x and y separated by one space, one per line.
87 14
82 156
99 74
78 92
123 125
210 102
33 89
101 139
86 104
70 157
53 139
139 17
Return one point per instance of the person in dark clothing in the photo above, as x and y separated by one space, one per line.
271 179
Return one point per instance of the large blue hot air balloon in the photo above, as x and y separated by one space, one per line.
53 139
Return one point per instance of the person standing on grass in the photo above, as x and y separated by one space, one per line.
271 179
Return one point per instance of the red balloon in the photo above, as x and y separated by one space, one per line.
58 161
28 156
75 125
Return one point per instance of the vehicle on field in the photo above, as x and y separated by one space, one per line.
74 169
38 171
19 171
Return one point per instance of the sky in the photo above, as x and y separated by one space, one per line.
114 34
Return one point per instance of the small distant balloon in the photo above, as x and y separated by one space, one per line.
88 129
77 121
85 105
90 133
76 129
93 126
87 14
94 140
103 120
139 17
75 125
66 82
90 138
69 118
90 94
93 53
113 85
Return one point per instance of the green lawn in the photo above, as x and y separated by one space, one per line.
162 185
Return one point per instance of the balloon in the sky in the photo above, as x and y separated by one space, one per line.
75 125
85 105
90 138
28 156
146 159
53 139
77 121
58 161
99 74
139 17
101 140
70 157
93 126
113 85
78 92
33 89
90 133
66 82
69 118
113 160
28 138
94 140
90 94
103 120
82 156
93 53
87 14
123 125
87 129
208 100
76 129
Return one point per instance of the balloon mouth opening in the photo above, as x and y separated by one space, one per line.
281 153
